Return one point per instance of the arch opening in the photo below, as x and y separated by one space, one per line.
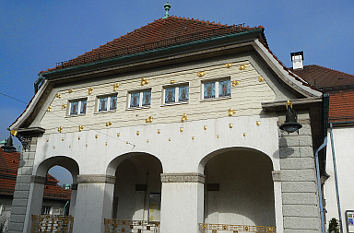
59 189
239 188
137 190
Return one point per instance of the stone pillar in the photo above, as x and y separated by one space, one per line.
73 199
28 190
94 202
182 202
278 202
301 212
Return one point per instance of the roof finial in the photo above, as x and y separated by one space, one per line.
167 7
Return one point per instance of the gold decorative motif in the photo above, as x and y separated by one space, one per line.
137 133
244 134
184 117
147 140
63 106
193 137
228 65
96 136
115 86
169 139
172 81
258 123
13 132
60 129
70 91
109 123
288 103
62 139
181 129
106 144
47 140
90 90
149 119
242 67
86 145
58 95
126 142
49 109
118 134
205 127
158 131
144 81
230 125
218 136
78 138
81 127
235 83
231 112
260 79
201 73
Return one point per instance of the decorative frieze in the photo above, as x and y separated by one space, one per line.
96 179
182 178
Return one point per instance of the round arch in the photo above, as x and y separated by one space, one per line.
215 153
68 163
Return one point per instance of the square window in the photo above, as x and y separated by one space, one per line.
216 89
107 103
209 90
176 94
77 107
138 99
170 95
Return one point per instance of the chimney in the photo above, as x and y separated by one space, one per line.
297 59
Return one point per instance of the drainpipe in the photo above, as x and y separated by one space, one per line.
324 144
65 206
336 177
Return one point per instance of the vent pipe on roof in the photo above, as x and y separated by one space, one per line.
297 59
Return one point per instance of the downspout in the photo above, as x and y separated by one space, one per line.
65 206
324 144
336 177
325 107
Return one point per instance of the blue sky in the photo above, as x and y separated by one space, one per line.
35 34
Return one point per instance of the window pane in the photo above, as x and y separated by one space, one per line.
224 88
102 104
134 100
74 107
170 95
209 90
146 98
183 93
113 104
83 106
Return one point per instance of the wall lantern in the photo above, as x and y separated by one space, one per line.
290 125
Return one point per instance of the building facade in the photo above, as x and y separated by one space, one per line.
176 126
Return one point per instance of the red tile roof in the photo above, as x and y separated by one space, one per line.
9 163
325 79
341 106
160 33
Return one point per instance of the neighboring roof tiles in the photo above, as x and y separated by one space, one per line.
325 79
341 106
9 163
160 33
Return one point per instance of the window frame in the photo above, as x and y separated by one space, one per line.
79 100
216 82
141 97
109 99
176 90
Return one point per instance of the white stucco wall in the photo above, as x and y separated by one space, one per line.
343 141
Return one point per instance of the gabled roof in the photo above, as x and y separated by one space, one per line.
160 33
9 163
341 106
325 79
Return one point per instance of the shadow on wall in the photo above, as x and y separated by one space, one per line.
245 195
